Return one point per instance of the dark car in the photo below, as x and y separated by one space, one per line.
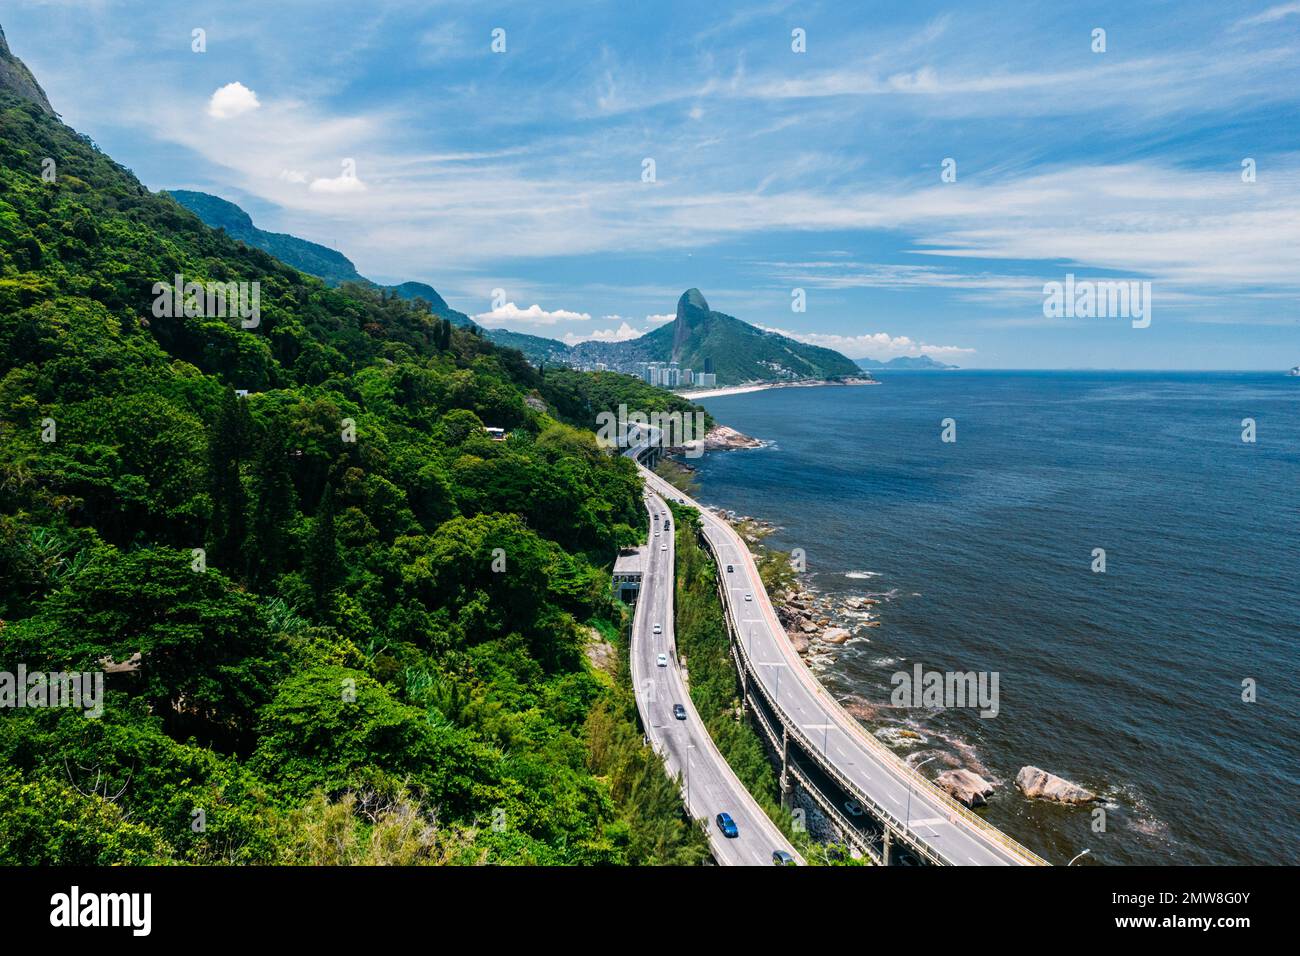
730 569
679 711
781 858
727 826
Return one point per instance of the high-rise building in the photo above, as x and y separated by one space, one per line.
708 365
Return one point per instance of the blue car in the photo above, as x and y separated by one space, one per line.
727 826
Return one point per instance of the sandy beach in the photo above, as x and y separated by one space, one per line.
764 386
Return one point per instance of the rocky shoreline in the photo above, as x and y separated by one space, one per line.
817 624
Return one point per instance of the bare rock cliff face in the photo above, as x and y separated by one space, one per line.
16 78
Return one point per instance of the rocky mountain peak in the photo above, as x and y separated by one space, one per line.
16 78
691 300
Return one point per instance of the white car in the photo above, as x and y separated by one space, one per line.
659 628
663 547
749 597
662 660
853 808
656 534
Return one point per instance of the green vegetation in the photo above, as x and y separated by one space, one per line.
678 475
578 397
351 625
702 640
310 257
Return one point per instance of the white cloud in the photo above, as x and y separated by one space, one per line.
1272 14
533 315
345 182
620 334
231 100
876 345
659 319
1187 228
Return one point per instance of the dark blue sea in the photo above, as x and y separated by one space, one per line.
1128 682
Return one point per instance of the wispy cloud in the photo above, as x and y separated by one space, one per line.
470 165
876 345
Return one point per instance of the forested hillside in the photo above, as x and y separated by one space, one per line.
342 624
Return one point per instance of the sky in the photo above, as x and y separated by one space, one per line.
569 169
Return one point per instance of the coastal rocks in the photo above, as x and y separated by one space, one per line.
722 438
1040 785
965 787
859 603
819 623
835 635
898 737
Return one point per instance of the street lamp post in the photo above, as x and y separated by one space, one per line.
907 822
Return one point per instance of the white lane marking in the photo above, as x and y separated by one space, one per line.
928 822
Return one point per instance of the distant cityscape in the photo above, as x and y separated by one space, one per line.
664 374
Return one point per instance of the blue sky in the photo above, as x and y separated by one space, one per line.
774 170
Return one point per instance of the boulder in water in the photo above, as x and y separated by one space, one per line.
1040 785
965 786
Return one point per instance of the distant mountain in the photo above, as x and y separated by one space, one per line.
17 79
419 290
309 257
739 352
538 350
305 256
903 362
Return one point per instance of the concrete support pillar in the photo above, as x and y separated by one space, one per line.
884 851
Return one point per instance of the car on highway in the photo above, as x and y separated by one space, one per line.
659 628
679 711
727 826
656 534
730 569
663 547
853 808
782 858
749 597
662 660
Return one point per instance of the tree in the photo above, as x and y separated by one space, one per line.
201 645
273 485
322 558
227 446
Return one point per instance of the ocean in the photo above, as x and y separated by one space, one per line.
981 553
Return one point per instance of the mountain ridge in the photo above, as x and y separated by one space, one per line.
740 353
304 255
903 362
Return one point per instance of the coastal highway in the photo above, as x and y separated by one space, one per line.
709 786
869 769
